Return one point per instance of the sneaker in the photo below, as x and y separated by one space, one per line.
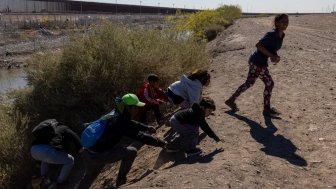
172 149
53 186
36 182
160 122
56 185
271 111
231 103
45 183
193 152
121 181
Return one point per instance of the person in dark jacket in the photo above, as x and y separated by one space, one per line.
267 47
53 148
123 125
187 122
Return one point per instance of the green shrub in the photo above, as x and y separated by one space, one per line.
200 22
14 153
81 83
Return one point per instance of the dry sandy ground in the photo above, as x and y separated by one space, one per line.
296 151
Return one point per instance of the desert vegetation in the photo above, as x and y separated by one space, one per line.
206 24
14 163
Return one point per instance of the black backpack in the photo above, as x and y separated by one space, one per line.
45 130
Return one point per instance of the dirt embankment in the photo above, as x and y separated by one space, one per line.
296 151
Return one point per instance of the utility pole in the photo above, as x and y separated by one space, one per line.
116 7
26 6
158 7
173 9
140 7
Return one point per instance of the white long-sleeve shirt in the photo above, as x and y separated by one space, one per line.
190 90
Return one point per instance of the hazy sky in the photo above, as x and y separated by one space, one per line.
284 6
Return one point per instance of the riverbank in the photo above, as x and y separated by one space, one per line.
26 34
18 46
296 151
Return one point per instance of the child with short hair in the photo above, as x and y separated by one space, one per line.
151 94
187 122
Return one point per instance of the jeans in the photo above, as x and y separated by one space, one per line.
49 155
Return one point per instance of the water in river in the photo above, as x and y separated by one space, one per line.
11 79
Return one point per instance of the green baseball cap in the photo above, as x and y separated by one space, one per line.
132 100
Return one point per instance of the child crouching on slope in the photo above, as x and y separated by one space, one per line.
187 122
151 94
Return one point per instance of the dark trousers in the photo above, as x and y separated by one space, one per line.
187 137
157 114
95 161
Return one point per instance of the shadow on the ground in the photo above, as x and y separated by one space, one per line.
180 158
274 145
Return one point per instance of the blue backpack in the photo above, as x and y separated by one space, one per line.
95 130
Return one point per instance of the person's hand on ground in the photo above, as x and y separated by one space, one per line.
218 140
151 129
219 149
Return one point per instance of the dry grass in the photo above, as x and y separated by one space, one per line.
14 153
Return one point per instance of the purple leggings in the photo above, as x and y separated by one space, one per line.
253 74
